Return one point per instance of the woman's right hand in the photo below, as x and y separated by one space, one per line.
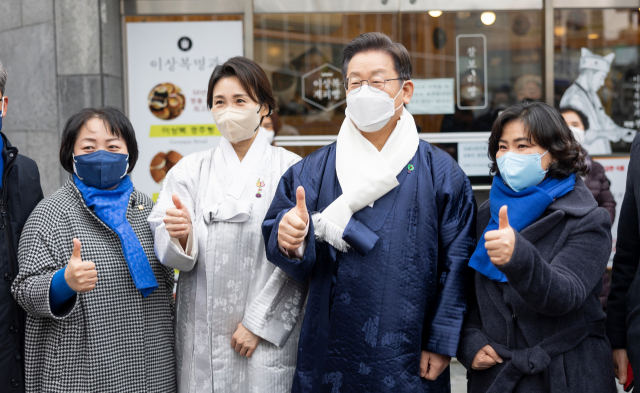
178 221
485 358
81 276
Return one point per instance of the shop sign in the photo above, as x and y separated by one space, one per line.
471 66
322 87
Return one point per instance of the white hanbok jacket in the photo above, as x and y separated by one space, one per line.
225 277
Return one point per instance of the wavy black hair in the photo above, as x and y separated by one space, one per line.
545 126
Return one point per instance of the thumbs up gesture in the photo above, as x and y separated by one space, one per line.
292 229
178 221
500 243
81 276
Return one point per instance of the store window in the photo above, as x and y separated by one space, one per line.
596 71
467 67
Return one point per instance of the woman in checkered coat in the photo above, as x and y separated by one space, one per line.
99 304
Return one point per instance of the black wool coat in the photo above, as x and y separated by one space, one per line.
20 194
546 322
623 308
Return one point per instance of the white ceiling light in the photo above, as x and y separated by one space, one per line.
488 18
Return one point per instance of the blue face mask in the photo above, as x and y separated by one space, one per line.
101 169
520 171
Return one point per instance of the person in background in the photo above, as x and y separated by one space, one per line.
99 303
270 127
237 323
623 308
528 87
499 102
596 180
382 225
20 193
535 323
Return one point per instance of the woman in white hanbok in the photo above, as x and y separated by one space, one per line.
238 316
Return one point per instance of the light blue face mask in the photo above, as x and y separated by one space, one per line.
520 171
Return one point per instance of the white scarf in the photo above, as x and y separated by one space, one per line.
365 174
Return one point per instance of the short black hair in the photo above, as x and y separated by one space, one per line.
378 42
114 120
545 126
252 79
583 118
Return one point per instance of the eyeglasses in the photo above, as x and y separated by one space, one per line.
377 82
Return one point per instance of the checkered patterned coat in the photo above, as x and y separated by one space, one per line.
110 339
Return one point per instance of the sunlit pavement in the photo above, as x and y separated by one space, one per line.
459 378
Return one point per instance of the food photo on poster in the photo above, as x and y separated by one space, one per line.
166 101
168 69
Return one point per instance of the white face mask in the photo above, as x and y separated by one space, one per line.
269 134
237 125
578 134
371 110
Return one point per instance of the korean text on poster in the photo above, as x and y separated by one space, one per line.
432 97
473 158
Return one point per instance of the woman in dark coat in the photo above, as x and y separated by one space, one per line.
535 323
596 179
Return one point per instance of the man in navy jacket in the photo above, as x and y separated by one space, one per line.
623 308
19 195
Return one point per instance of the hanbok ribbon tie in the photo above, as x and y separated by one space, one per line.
365 175
229 211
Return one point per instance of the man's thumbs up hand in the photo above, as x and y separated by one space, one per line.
81 276
301 205
292 228
501 242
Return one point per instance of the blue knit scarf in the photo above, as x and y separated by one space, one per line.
111 207
523 208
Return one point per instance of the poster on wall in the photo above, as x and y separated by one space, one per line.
615 168
432 97
168 70
473 158
583 96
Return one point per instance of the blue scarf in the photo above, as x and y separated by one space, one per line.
524 208
111 207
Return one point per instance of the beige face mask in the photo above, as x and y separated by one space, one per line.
237 125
